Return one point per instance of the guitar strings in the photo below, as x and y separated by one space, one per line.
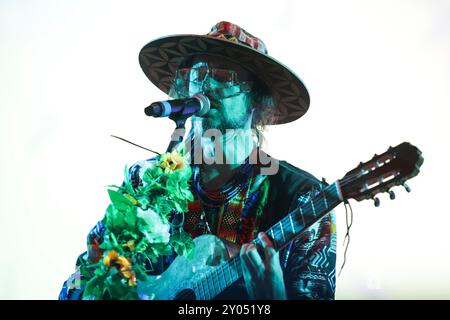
209 277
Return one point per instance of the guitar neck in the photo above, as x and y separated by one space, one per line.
283 232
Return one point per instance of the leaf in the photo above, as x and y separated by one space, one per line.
152 175
115 287
183 244
163 205
144 201
121 213
178 187
119 200
115 220
127 185
187 195
95 288
131 220
120 221
142 246
156 250
85 272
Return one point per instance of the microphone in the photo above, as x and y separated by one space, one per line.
198 105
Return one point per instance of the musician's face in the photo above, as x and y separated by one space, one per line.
229 112
226 88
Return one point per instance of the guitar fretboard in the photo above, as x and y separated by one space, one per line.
286 230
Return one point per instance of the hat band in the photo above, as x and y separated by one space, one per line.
233 33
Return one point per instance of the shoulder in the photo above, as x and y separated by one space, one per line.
287 178
292 175
286 185
290 182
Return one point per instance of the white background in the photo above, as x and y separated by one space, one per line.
377 72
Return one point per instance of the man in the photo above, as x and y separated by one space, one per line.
240 195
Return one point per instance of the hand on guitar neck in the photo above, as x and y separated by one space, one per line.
263 276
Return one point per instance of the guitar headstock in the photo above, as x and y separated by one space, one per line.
382 172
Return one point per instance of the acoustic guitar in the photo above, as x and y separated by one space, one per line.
202 278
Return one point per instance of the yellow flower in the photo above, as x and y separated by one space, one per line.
132 281
122 263
171 161
126 270
110 257
130 245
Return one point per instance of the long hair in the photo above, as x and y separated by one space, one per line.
264 109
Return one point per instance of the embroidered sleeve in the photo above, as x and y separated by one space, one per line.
74 286
310 260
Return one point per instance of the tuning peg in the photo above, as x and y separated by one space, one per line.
376 201
391 194
407 188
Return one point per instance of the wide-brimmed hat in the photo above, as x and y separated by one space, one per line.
160 59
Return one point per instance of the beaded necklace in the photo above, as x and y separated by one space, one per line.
223 195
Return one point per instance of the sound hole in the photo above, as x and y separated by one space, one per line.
186 294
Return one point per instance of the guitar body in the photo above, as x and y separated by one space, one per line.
177 281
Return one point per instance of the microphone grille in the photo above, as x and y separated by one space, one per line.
205 104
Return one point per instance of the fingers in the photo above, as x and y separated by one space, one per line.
263 279
248 278
269 251
251 259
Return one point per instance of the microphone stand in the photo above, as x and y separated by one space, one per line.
179 115
179 131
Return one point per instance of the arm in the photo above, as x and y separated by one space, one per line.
311 262
304 270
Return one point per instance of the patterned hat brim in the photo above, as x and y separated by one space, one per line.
160 59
